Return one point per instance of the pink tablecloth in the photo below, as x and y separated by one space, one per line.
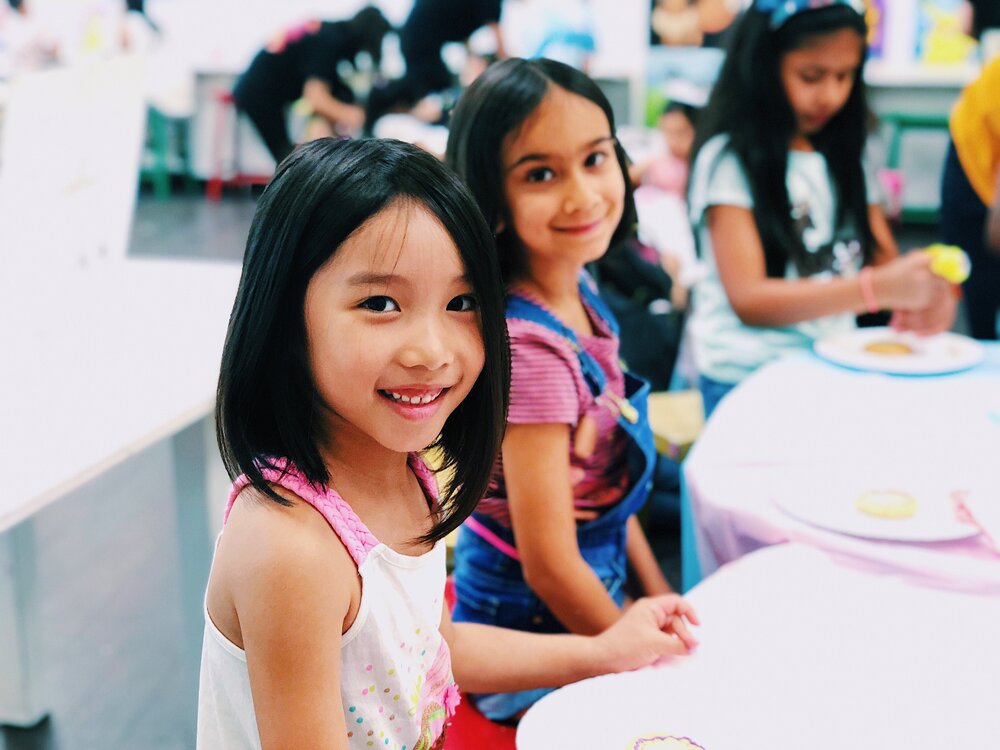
801 422
799 652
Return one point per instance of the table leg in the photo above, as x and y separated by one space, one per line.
20 663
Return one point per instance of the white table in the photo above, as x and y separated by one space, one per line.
798 651
98 364
801 422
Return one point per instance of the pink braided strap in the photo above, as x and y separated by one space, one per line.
345 523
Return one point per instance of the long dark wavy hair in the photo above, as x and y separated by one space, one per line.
749 105
267 402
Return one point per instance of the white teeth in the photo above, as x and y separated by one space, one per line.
417 400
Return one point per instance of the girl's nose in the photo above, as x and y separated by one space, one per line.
581 194
427 346
834 93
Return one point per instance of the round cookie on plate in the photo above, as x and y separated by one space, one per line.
887 504
889 348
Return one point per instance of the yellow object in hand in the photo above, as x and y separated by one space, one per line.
949 262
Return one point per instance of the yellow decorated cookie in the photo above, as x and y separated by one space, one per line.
887 504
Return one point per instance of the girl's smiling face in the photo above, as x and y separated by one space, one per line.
392 331
818 78
564 187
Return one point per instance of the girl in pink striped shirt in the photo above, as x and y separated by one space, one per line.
548 547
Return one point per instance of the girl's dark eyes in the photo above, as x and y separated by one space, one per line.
596 159
463 303
380 304
383 304
544 174
541 174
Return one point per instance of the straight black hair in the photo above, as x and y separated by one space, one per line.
749 104
494 107
267 402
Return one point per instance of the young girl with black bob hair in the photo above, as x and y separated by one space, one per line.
368 326
548 547
785 211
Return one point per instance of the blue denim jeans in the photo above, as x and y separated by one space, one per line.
712 392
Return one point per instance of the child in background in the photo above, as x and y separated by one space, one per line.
661 192
547 548
669 171
784 209
368 325
970 196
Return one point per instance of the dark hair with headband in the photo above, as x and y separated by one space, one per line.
750 106
779 11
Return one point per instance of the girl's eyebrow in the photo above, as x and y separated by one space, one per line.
368 278
544 157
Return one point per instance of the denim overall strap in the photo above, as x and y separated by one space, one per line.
632 418
489 579
520 308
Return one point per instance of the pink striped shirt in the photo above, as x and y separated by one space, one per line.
547 387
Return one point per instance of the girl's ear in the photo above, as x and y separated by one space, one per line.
500 227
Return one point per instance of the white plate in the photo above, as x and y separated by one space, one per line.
831 505
931 355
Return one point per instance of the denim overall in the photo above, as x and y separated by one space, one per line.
489 582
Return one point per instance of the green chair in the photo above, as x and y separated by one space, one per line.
900 123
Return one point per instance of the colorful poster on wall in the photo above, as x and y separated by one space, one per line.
875 17
940 38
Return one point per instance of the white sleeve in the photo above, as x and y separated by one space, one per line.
717 179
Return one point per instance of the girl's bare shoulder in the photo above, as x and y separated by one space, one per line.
280 555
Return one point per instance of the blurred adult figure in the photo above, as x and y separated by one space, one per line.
430 25
970 195
302 62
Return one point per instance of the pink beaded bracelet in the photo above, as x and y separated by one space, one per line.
867 290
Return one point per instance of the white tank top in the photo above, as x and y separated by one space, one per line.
395 669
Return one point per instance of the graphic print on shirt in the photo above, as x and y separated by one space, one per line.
436 698
830 250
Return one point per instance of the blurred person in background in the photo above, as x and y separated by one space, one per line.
302 63
970 196
24 43
980 16
430 25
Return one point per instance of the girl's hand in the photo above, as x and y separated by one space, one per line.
907 283
937 318
649 630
